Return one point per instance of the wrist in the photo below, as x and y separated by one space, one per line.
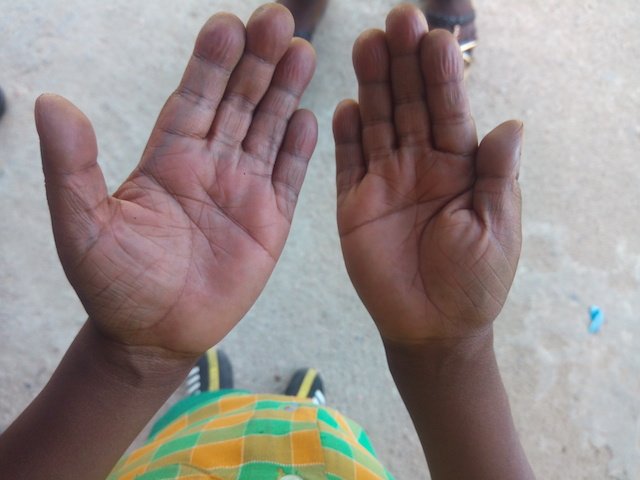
441 358
457 402
132 367
99 398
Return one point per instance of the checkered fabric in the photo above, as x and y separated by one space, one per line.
240 436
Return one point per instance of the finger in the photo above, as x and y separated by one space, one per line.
452 127
405 28
350 164
291 164
496 194
371 64
190 110
269 33
270 121
76 190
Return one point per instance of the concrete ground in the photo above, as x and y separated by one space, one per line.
567 68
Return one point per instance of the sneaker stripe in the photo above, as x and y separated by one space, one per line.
214 370
307 382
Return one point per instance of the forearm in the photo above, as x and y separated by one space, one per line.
97 401
460 409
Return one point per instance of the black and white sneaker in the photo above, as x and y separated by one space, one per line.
307 383
212 372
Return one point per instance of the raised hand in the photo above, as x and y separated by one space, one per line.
179 253
429 221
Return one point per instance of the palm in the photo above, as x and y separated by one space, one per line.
181 251
427 236
183 240
426 256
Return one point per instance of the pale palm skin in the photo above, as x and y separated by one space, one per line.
429 222
179 253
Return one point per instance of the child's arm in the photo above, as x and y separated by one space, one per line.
457 402
430 230
97 401
168 265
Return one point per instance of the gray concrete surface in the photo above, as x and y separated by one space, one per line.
567 68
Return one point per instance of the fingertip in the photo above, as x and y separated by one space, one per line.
404 10
520 129
222 19
514 126
54 115
369 37
273 8
298 64
307 116
44 99
67 140
517 126
221 40
441 58
440 36
273 11
405 26
345 106
371 56
304 47
269 31
40 107
511 129
45 103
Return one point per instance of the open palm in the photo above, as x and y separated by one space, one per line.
183 248
429 222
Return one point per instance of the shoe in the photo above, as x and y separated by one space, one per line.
307 383
212 372
307 14
461 25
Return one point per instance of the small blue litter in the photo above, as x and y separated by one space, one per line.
597 319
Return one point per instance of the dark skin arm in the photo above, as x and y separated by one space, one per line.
429 223
97 401
169 264
459 406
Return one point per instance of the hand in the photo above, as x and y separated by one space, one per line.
429 222
179 253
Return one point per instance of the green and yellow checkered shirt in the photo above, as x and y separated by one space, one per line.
235 435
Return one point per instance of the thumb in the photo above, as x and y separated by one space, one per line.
76 190
496 193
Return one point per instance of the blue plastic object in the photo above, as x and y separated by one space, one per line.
597 319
